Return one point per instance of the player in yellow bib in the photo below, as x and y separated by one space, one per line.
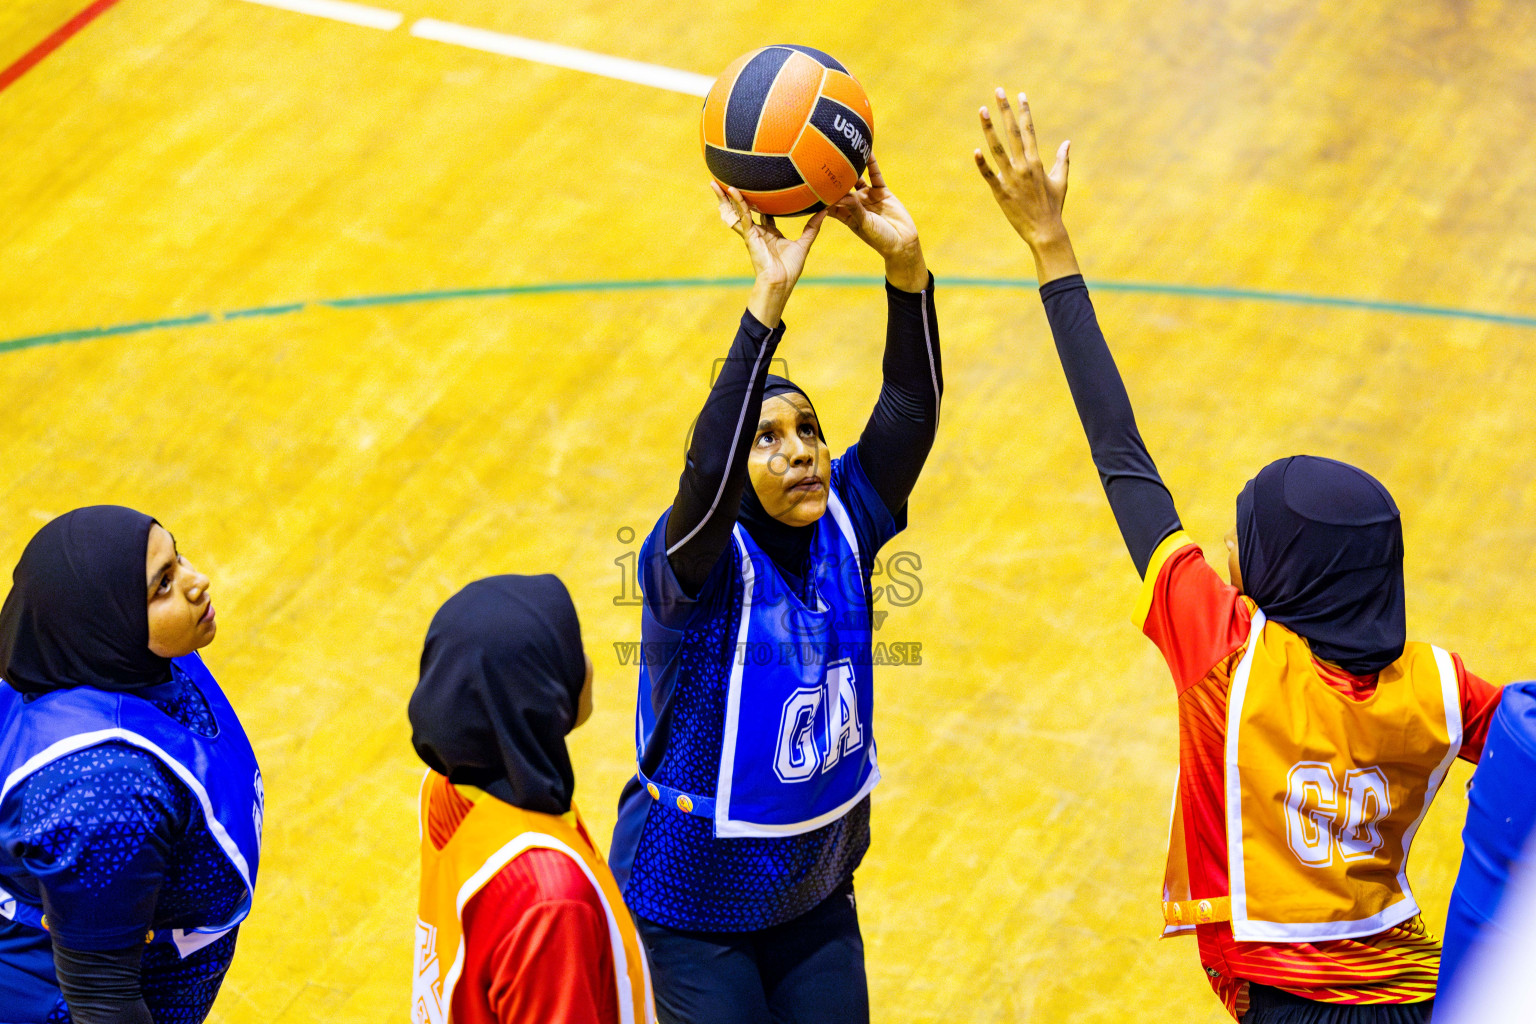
1312 735
519 918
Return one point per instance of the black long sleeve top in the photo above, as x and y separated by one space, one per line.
1141 503
893 446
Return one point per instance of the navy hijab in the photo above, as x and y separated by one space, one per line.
501 679
1320 547
77 613
788 546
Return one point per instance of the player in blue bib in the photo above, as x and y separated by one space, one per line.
130 798
738 837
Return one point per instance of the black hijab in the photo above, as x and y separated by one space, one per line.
77 613
788 546
1320 546
501 677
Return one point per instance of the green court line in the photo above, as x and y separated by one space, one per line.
237 314
87 333
1256 295
657 284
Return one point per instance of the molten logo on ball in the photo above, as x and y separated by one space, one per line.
852 134
789 127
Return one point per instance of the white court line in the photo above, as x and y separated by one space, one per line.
339 10
560 56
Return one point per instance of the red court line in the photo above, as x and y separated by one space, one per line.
53 42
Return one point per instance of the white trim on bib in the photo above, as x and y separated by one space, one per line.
1246 929
504 856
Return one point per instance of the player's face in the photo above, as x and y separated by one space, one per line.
790 466
1234 567
584 702
180 609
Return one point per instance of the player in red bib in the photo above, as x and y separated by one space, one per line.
519 918
1312 734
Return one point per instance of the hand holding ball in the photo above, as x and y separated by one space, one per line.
789 127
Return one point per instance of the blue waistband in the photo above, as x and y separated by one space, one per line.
25 913
688 803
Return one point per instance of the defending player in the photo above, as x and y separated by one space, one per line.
738 838
519 919
1312 737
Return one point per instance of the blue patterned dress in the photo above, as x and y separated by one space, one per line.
122 847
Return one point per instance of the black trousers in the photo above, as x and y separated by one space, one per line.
806 971
1272 1006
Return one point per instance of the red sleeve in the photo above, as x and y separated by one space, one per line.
1193 616
1479 700
537 947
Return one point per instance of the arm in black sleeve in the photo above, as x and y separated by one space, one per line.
1141 503
900 431
709 492
102 988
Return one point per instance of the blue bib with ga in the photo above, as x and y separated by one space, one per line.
798 748
220 771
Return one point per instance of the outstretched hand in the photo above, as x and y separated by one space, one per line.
1030 197
873 212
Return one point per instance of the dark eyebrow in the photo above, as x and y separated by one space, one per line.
764 425
155 576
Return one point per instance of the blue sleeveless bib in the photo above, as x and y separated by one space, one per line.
1499 837
220 771
798 749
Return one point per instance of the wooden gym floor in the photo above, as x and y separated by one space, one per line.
340 469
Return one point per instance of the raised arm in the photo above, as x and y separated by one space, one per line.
896 440
1032 200
709 491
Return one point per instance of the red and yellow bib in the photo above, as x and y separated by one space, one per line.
1323 793
490 836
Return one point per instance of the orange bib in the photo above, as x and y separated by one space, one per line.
489 837
1324 793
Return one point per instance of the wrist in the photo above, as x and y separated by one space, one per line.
907 269
1051 235
767 301
1054 257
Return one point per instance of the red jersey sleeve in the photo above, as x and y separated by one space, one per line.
1193 616
537 946
1479 700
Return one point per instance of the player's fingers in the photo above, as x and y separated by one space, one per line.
876 179
1063 164
726 208
987 173
812 227
1031 153
743 211
1017 150
855 208
999 154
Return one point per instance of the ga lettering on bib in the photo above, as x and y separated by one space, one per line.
797 746
1324 794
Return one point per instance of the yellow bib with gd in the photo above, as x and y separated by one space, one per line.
1324 792
492 833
